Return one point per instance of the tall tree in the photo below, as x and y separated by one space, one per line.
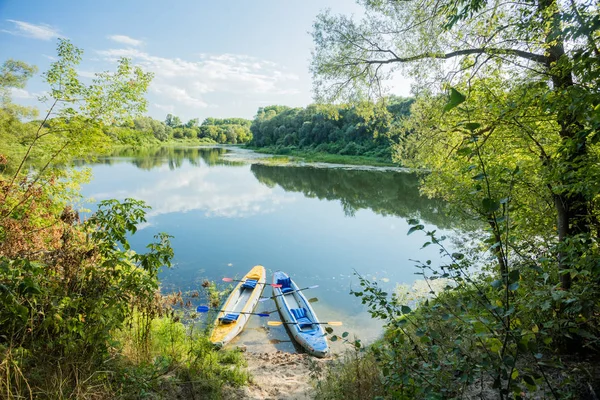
462 40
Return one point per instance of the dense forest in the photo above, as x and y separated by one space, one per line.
506 124
366 129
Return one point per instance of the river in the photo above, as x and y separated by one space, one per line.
229 211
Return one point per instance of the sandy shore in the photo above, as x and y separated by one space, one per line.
276 375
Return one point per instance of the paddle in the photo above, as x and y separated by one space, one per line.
297 290
203 309
239 280
277 323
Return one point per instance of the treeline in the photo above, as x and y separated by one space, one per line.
366 129
145 130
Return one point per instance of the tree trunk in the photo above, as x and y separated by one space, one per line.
571 207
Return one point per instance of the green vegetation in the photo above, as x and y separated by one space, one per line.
314 156
146 131
382 192
366 129
212 130
512 143
81 315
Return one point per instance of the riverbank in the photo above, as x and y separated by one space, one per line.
276 376
320 157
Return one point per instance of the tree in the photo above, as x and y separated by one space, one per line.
192 123
459 41
173 121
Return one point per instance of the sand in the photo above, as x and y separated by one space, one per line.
277 376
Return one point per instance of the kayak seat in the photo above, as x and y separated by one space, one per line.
286 285
301 317
229 318
249 284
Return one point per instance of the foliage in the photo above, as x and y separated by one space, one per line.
68 289
530 68
366 129
354 376
225 130
166 359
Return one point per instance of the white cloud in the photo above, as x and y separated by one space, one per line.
86 74
178 94
188 82
17 93
23 94
26 29
216 192
125 40
165 107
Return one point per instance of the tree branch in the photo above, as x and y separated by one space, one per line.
444 56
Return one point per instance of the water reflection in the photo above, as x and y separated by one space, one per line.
155 157
385 193
228 192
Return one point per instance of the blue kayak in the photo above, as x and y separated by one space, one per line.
299 316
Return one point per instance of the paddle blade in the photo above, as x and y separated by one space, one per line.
313 300
276 285
264 299
334 323
313 287
202 309
274 323
263 315
227 279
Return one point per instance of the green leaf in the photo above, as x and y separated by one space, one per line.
479 177
529 380
464 151
334 338
490 205
513 276
415 228
472 125
513 286
456 98
345 334
497 283
405 310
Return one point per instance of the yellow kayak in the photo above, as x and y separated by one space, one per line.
232 320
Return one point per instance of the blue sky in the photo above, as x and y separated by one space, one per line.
210 58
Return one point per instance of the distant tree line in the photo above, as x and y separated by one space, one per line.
224 130
147 130
362 129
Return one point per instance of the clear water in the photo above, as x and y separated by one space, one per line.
320 225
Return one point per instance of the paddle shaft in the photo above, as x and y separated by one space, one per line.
297 290
275 323
206 309
244 280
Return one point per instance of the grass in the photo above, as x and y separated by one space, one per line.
172 361
312 156
153 358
